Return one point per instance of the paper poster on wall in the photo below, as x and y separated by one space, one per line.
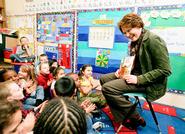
55 28
174 38
102 57
101 37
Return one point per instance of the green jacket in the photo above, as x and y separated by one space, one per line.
155 65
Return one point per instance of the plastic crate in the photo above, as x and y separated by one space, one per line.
7 53
7 60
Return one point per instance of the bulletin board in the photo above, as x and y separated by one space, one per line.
169 23
55 34
100 42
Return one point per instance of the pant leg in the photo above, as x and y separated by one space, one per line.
28 107
113 90
40 93
89 125
107 77
30 58
16 57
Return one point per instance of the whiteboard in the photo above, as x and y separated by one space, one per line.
174 38
101 37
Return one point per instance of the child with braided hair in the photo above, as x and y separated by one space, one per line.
66 87
61 115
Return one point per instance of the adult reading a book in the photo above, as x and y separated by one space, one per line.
23 52
148 74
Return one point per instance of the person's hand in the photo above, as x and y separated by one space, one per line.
95 84
130 79
26 46
49 82
40 107
28 124
90 108
28 84
85 103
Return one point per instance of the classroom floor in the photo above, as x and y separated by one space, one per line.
171 120
173 99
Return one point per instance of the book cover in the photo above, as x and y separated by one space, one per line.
126 65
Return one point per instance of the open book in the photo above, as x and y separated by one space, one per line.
126 65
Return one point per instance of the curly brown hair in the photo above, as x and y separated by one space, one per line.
130 20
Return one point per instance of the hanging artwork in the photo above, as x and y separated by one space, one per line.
55 28
55 31
102 57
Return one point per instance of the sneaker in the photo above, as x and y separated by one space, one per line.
97 126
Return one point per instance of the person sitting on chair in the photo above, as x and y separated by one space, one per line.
148 75
23 52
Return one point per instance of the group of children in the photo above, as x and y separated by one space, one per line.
37 85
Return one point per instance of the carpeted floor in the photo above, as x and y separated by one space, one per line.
171 121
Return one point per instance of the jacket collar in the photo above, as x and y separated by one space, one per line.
146 35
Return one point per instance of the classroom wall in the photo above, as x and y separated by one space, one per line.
23 7
14 7
18 7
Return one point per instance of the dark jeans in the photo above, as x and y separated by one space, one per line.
17 58
113 90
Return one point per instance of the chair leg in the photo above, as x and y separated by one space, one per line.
153 114
139 103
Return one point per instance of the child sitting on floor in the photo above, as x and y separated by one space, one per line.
23 52
65 87
8 74
45 79
42 58
57 74
87 86
34 94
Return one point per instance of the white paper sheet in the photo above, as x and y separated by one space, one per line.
101 37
